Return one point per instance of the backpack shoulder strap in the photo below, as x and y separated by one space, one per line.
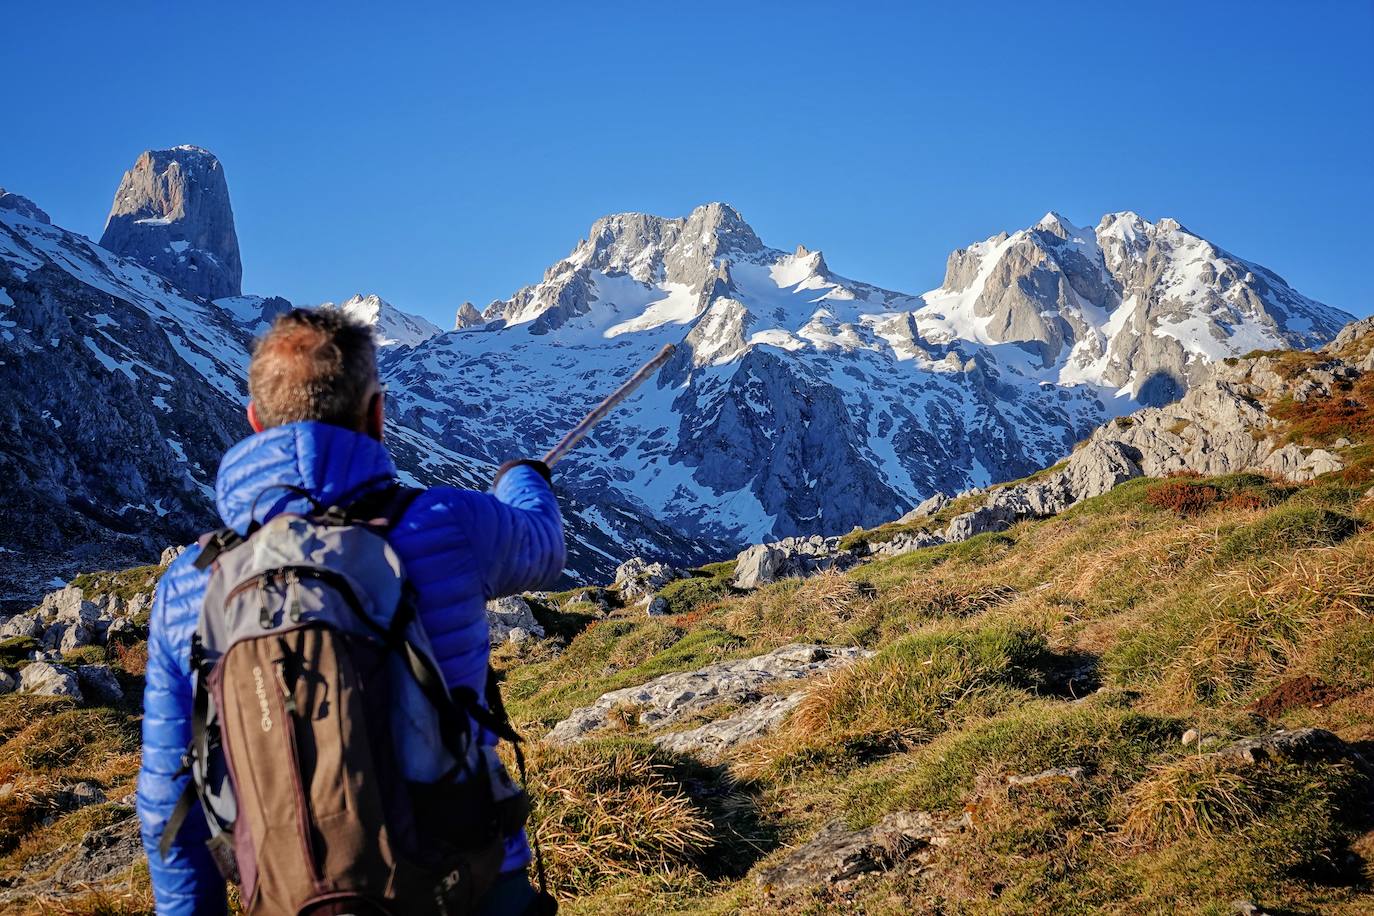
214 543
383 507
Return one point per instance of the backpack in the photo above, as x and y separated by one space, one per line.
336 772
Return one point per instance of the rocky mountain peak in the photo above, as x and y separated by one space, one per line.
720 226
23 206
468 317
171 213
390 325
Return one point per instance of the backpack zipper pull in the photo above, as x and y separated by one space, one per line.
265 614
293 584
286 694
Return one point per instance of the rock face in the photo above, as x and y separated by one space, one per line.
468 317
669 699
172 215
837 855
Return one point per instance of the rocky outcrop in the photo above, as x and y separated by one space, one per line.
511 620
468 317
68 619
172 214
709 742
1094 469
101 859
671 698
637 579
796 556
1221 425
838 855
1297 745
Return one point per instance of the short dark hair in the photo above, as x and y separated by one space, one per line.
313 364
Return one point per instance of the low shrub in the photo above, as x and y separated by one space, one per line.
1182 497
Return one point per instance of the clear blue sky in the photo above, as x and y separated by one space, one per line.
439 153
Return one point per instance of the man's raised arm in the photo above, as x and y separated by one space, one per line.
523 537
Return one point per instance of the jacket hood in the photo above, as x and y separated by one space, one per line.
333 464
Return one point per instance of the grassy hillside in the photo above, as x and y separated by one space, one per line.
1094 639
1224 606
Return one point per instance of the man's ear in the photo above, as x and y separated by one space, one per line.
376 416
253 420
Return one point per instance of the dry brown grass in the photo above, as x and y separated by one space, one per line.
821 607
1266 618
1197 795
606 810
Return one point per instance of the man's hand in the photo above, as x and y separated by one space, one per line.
539 466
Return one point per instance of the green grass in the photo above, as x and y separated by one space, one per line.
14 652
908 693
1290 528
1115 746
687 595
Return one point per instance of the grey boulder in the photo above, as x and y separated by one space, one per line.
99 684
46 679
637 577
505 615
21 625
837 855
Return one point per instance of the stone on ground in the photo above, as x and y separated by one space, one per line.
671 698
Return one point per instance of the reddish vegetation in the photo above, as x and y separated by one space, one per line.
1301 692
1182 497
1348 412
1245 499
133 659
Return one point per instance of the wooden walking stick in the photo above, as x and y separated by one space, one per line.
598 413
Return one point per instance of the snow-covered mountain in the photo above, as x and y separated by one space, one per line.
390 325
1132 306
119 393
801 401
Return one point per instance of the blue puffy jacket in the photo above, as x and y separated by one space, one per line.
459 548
